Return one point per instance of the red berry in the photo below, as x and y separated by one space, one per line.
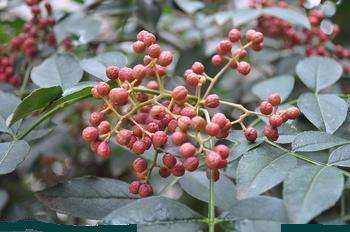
192 79
271 132
126 74
139 72
184 123
149 39
187 150
251 134
220 119
276 120
216 174
234 35
141 35
123 137
104 127
138 147
102 88
138 47
96 118
292 113
152 127
154 51
165 58
243 67
258 47
103 150
139 165
90 134
265 108
257 38
197 123
212 101
191 164
179 93
217 60
178 138
223 151
145 190
134 187
198 68
169 160
212 129
249 35
164 172
95 94
118 96
188 111
159 139
178 169
225 46
147 59
213 160
152 85
274 99
112 72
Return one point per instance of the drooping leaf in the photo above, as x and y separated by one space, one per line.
316 141
197 185
292 16
12 154
282 85
318 73
261 169
261 208
340 156
9 103
77 92
327 112
309 190
58 70
87 197
36 100
96 66
156 214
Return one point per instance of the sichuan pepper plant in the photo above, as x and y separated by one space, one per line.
160 136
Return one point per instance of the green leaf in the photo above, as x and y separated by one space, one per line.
12 154
304 191
318 73
316 141
87 197
36 100
258 226
258 208
261 169
81 91
340 156
156 214
58 70
8 103
190 6
327 112
281 84
242 16
97 66
197 185
292 16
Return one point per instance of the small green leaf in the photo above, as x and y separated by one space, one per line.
97 66
156 214
197 185
9 102
36 100
12 154
304 191
87 197
327 112
282 85
58 70
316 141
318 73
340 156
261 208
261 169
292 16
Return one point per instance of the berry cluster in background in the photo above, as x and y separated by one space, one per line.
36 35
139 113
314 40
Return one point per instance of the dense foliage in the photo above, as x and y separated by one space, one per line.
175 115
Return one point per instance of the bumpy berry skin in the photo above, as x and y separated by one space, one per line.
293 113
274 99
103 150
266 108
139 165
213 160
169 160
102 88
178 169
216 174
134 187
212 101
96 118
197 123
123 137
118 96
154 51
243 67
212 129
223 151
180 93
179 138
138 147
165 58
257 38
198 68
138 46
187 150
276 120
112 72
271 132
104 127
164 172
249 35
217 60
251 134
90 134
145 190
159 139
191 164
184 123
234 35
225 46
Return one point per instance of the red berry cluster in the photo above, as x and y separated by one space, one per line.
36 33
313 39
141 114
